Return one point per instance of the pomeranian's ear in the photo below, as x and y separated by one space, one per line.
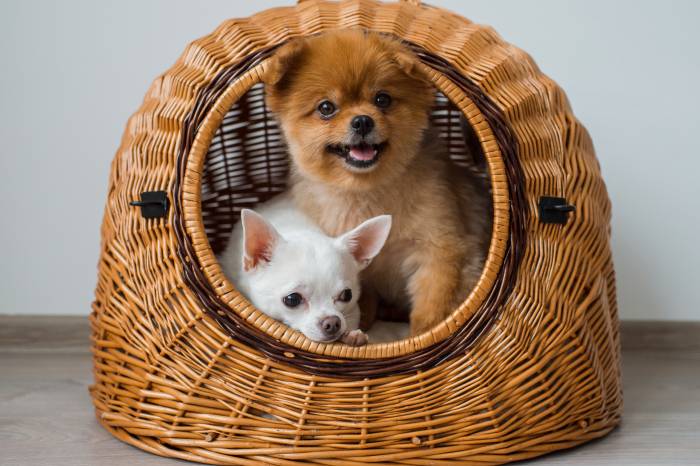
366 240
410 64
283 60
259 239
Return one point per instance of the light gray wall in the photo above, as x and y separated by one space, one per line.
73 72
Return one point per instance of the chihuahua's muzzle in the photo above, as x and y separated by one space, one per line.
362 149
331 326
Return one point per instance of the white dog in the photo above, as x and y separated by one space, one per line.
282 262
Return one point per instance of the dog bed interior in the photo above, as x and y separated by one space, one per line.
247 163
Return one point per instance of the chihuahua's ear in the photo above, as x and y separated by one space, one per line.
282 61
366 240
259 239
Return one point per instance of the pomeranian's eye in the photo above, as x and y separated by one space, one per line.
345 295
382 100
292 300
326 108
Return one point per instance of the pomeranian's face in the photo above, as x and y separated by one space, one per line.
353 107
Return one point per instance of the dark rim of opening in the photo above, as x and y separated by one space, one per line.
457 343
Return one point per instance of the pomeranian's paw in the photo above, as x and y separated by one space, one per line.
355 338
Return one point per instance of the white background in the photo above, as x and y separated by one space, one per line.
73 71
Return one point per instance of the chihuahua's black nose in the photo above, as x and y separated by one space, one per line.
330 325
362 124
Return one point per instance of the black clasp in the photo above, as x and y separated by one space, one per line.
555 210
154 204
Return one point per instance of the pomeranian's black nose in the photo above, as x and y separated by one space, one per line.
362 124
330 325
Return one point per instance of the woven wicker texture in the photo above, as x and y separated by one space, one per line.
185 367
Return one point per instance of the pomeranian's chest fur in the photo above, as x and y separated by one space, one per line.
435 207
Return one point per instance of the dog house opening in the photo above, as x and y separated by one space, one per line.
247 164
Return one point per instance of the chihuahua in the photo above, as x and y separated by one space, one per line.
354 110
290 270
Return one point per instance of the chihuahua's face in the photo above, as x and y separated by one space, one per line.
307 280
353 107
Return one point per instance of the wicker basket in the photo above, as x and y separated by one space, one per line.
186 367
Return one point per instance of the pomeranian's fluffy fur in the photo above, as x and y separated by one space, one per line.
354 110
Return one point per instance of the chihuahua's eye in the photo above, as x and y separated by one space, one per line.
345 295
382 100
292 300
326 108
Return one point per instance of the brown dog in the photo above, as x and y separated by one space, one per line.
354 110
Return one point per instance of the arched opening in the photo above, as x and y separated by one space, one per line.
233 157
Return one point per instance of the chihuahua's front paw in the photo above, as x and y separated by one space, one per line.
355 338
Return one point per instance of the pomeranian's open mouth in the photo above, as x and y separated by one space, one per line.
361 155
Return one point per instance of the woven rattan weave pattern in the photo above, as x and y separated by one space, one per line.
185 367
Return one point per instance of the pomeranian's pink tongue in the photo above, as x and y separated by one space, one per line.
364 152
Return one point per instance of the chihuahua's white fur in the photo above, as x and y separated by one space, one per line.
277 250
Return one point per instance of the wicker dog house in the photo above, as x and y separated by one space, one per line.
186 367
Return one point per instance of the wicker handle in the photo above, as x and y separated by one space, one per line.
412 2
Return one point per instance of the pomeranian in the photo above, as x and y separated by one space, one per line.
282 262
354 110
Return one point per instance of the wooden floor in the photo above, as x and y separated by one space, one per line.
46 417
